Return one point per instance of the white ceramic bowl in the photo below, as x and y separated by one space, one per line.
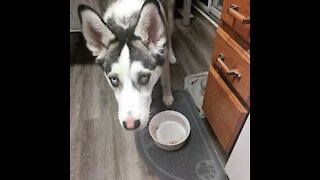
169 130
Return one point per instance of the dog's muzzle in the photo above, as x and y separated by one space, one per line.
130 124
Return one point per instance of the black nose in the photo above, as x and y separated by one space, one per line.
136 124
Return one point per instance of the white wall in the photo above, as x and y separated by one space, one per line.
238 164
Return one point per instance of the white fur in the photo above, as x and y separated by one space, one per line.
131 102
123 9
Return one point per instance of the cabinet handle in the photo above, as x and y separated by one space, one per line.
225 68
233 11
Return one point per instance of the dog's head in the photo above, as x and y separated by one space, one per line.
130 47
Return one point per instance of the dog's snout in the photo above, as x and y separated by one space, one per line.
131 124
135 125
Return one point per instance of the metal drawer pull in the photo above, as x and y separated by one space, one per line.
233 11
225 68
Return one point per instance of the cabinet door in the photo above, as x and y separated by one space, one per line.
228 53
233 13
223 110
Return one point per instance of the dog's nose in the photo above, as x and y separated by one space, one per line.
131 124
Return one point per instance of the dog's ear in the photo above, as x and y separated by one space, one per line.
94 30
150 27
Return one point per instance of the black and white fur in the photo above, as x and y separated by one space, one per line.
132 43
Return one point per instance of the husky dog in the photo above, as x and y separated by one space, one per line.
132 43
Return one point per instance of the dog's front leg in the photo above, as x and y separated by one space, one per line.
170 6
166 84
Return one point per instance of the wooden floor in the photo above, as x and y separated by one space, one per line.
98 5
99 148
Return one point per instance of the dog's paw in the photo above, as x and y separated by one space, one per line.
167 100
172 59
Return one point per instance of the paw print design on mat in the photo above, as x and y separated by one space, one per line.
205 170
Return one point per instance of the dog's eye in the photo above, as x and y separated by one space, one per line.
144 79
114 81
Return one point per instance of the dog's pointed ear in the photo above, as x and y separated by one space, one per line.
150 27
95 32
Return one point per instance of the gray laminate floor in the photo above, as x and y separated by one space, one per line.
99 148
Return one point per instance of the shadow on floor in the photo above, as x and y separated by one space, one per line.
79 53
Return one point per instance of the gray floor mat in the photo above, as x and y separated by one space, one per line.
196 160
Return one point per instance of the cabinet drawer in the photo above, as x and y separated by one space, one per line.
227 54
223 110
234 16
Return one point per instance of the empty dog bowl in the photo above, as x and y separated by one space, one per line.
169 130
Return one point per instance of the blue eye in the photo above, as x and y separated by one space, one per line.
114 81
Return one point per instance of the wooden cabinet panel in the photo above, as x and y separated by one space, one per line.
231 16
236 58
223 110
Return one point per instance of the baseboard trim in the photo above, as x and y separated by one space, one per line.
205 15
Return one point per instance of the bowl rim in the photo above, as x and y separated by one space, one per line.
175 113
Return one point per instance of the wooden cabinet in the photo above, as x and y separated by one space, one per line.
226 101
233 62
236 14
223 110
